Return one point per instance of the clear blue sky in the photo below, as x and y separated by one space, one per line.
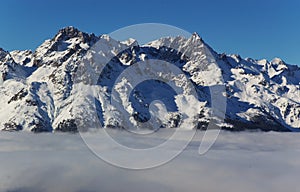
256 28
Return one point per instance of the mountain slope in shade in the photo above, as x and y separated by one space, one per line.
46 90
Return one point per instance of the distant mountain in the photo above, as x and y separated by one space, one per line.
44 90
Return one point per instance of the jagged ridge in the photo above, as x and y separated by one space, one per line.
40 89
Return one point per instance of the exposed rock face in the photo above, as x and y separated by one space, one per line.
45 90
68 125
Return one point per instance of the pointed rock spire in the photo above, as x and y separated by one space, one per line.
196 36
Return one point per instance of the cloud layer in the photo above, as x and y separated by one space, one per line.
237 162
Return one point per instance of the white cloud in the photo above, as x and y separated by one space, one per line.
237 162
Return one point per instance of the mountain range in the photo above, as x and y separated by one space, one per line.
48 89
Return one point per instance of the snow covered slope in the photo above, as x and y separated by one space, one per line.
48 89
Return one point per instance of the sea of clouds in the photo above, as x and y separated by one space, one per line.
245 161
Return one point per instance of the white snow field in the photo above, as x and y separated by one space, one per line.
238 161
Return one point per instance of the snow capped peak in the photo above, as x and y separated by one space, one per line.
67 42
105 37
130 42
263 62
107 42
67 33
277 61
195 40
2 50
196 36
6 58
3 53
